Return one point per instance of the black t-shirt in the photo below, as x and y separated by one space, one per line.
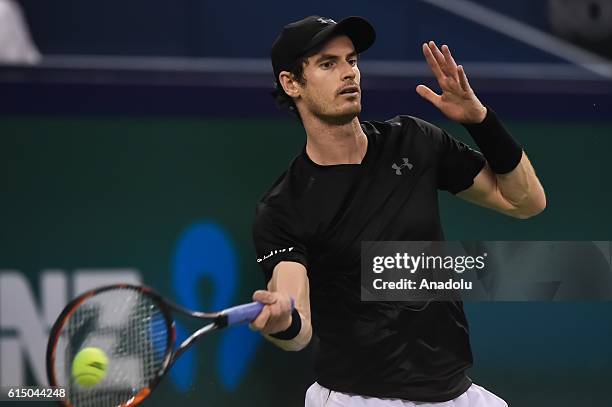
318 215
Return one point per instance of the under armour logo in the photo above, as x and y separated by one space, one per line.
325 20
398 168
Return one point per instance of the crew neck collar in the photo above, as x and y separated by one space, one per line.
343 165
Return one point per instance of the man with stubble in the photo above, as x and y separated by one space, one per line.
345 188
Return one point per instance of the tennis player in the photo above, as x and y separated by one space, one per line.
374 181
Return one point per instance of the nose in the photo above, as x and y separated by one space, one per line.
348 72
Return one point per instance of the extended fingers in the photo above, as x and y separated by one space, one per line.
441 62
451 65
437 54
428 94
432 62
463 80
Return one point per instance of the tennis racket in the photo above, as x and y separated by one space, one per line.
135 328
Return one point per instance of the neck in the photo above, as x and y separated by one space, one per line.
331 144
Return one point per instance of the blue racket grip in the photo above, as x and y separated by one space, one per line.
246 313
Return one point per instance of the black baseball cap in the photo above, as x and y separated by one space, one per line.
299 37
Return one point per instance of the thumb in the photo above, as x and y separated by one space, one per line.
265 297
428 94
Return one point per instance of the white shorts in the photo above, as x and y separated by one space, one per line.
475 396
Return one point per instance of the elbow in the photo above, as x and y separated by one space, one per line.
534 208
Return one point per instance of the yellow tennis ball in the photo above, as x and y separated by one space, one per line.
89 367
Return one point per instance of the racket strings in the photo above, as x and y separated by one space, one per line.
131 330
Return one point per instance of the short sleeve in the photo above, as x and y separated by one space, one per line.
276 238
457 163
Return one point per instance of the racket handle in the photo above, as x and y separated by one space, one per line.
246 313
243 313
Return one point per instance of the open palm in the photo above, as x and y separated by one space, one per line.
457 101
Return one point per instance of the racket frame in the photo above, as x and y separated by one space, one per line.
219 320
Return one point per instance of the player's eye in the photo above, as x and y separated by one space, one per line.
326 64
352 61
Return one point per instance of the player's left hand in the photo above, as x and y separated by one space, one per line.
457 101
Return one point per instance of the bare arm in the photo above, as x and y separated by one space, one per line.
289 280
517 193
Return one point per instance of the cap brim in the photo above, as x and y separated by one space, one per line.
358 29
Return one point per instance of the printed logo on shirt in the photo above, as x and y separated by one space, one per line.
398 168
273 252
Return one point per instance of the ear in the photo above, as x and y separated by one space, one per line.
289 84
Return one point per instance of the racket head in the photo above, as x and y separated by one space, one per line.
132 325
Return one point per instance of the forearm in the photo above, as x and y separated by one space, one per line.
508 183
291 279
522 189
